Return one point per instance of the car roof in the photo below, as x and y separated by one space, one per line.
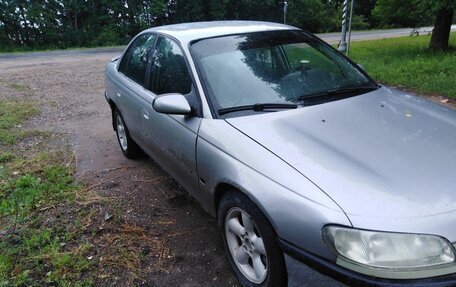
187 32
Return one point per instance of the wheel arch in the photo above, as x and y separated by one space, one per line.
113 107
219 191
222 188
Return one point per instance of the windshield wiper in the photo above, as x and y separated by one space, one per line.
334 94
257 108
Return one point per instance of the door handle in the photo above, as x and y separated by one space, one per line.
146 115
118 94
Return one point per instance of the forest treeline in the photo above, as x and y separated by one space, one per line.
50 24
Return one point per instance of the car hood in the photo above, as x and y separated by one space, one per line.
384 154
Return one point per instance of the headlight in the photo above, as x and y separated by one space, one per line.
391 252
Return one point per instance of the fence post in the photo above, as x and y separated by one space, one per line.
343 44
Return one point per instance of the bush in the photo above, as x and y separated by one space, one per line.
359 23
108 37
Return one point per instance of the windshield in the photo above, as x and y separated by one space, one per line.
276 67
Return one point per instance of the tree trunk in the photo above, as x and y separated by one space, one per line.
442 28
76 8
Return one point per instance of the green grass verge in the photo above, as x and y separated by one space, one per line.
12 114
39 244
407 62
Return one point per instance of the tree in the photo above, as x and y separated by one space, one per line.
190 11
315 15
206 10
444 11
364 8
415 13
64 23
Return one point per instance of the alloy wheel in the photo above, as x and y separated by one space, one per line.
246 245
121 133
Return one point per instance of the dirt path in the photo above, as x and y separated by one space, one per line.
184 248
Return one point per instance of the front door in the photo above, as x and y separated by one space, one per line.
171 139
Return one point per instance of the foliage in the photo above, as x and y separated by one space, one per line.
411 13
65 23
57 24
308 14
418 13
51 24
395 13
406 62
363 9
359 23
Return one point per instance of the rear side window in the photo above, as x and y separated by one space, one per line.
134 62
169 71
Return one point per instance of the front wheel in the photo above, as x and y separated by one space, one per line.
250 242
128 146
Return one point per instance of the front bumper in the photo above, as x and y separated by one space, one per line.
296 258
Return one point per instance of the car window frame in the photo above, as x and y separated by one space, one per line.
194 88
126 57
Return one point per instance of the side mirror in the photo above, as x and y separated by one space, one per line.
174 104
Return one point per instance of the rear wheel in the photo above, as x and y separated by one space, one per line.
250 242
128 146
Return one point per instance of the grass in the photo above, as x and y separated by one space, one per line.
19 87
53 230
408 63
39 244
12 114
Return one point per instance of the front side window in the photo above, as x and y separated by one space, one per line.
169 71
277 67
134 62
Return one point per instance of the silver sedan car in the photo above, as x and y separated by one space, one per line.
298 153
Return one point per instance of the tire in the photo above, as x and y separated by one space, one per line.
250 242
127 145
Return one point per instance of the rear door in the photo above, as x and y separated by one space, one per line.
132 81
